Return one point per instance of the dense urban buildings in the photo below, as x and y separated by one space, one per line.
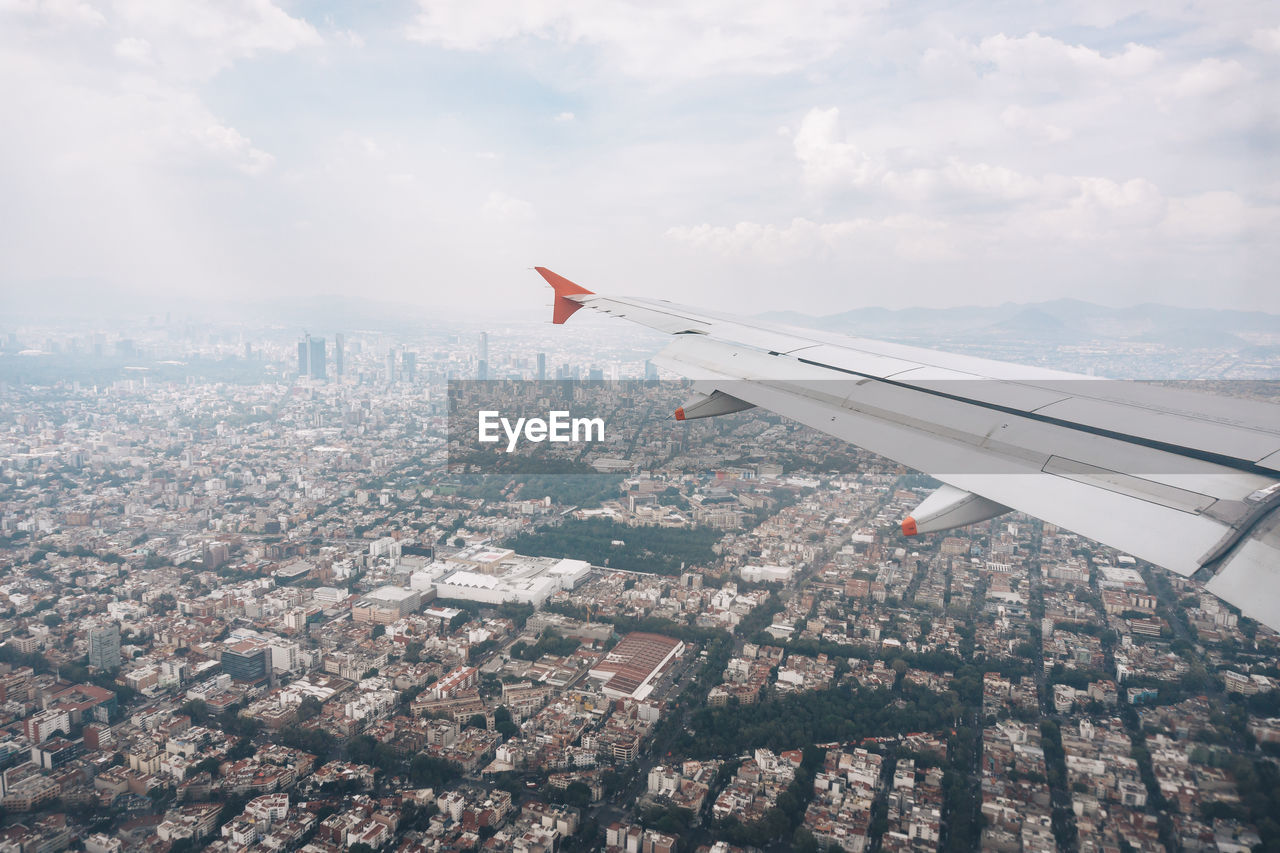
250 607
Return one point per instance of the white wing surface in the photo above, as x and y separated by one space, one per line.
1188 481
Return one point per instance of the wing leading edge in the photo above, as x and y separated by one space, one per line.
1188 481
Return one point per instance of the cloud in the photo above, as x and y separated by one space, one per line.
955 155
828 159
143 113
832 162
1219 217
133 49
228 144
1267 40
198 38
661 39
921 206
343 35
1044 58
72 12
1209 77
504 208
907 236
1028 123
1108 217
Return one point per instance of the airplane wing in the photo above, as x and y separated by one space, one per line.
1188 481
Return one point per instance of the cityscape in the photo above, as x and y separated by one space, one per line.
249 606
639 426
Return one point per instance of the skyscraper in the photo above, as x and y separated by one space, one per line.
318 370
104 646
339 343
542 366
304 356
245 661
410 369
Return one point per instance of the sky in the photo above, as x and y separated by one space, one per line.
747 155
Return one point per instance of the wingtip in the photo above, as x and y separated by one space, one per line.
561 285
909 526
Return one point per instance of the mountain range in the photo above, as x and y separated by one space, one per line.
1059 321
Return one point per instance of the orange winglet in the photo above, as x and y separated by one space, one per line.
564 307
909 526
680 413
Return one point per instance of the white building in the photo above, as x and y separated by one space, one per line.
529 580
767 574
284 656
328 595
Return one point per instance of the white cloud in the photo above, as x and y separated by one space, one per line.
906 236
504 208
1219 217
959 154
1267 40
133 49
828 159
1028 123
75 12
228 144
198 38
1209 77
1115 219
657 39
343 35
1040 57
831 162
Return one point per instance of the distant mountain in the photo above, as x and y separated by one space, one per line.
1059 321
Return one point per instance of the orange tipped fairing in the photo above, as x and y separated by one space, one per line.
908 526
564 306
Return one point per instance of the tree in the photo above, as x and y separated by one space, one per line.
578 794
208 765
503 724
196 709
309 707
427 771
243 749
477 721
362 749
803 841
313 741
